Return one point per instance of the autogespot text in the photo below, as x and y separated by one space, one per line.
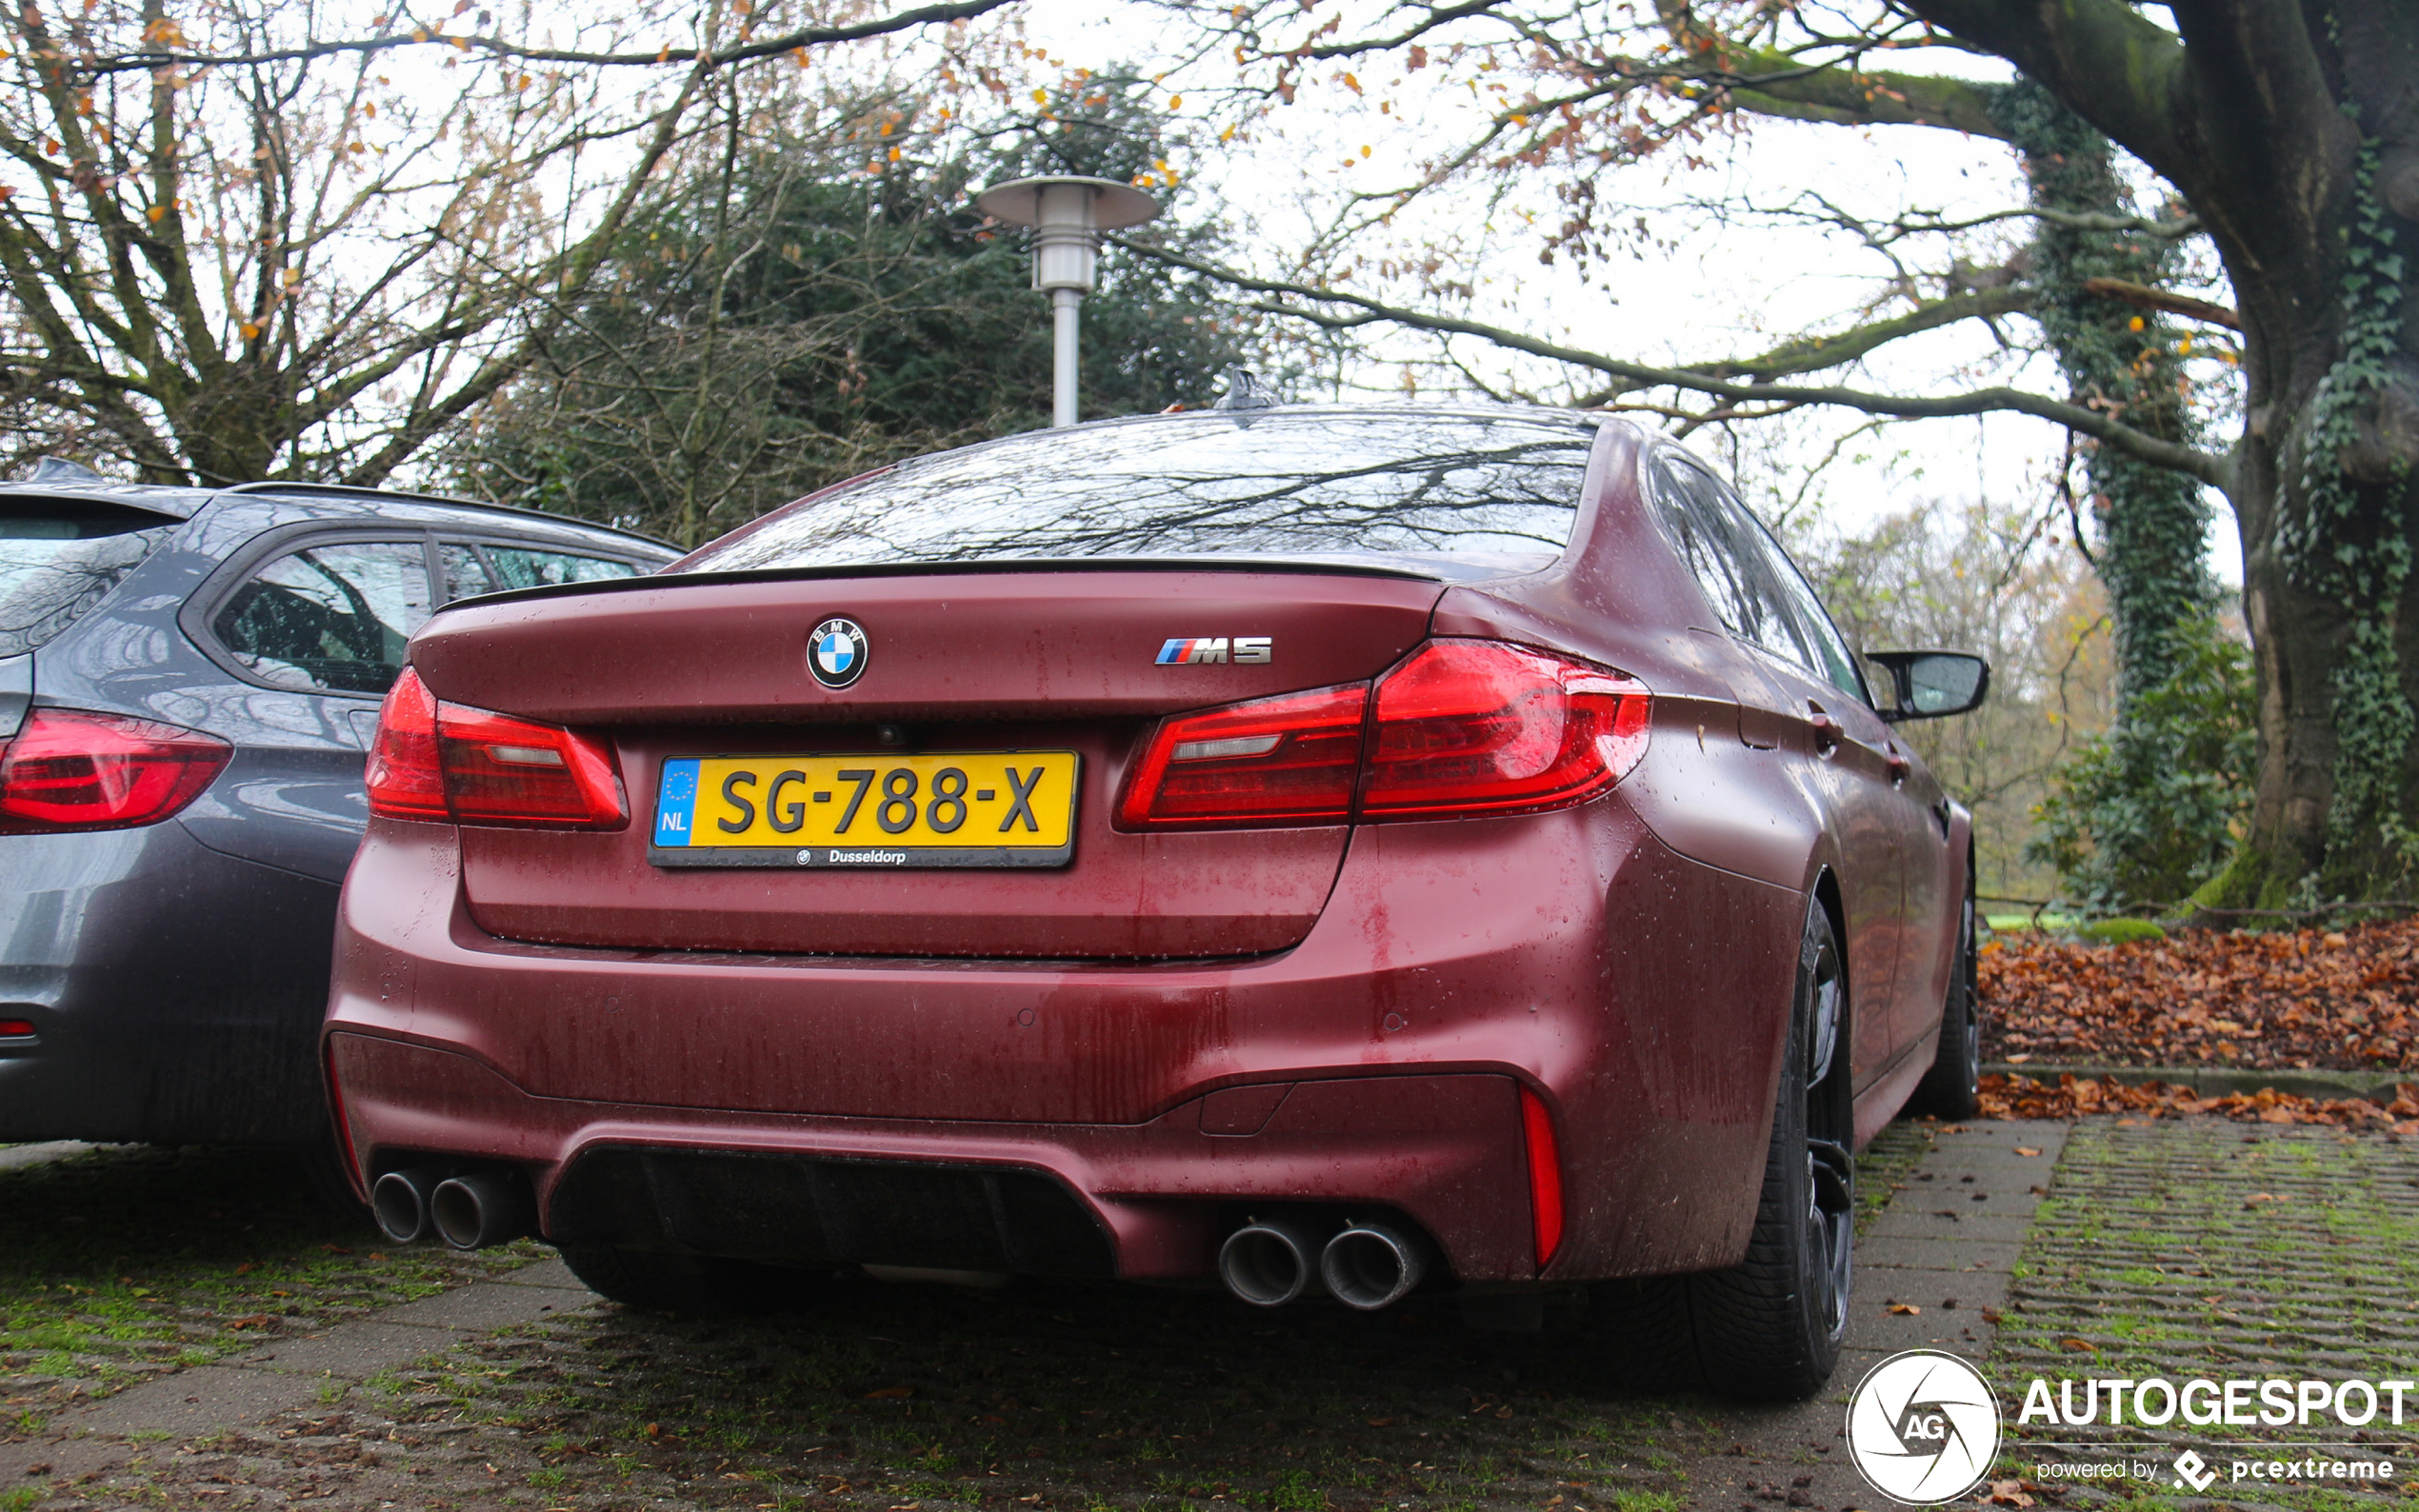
2201 1403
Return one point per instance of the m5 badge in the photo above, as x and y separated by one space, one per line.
1243 650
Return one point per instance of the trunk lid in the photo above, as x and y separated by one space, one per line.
1058 660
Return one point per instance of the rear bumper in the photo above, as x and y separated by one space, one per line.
1446 1150
174 993
1377 1065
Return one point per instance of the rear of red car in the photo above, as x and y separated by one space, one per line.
1062 858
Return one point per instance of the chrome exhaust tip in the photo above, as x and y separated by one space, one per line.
483 1209
400 1202
1372 1265
1269 1262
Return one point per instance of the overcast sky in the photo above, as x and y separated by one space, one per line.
1705 291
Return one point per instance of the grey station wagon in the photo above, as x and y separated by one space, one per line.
188 681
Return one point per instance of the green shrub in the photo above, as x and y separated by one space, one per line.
2151 809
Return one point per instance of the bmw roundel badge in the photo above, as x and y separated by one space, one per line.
836 652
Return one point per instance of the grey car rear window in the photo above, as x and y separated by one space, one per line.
58 558
333 617
1449 484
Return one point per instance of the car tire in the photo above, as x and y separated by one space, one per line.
685 1285
1952 1089
1769 1328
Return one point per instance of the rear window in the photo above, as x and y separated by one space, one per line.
58 558
1444 487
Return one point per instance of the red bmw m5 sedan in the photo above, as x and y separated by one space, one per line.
1339 851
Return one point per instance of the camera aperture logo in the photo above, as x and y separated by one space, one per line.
1923 1427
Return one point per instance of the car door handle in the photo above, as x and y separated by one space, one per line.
1826 732
1898 765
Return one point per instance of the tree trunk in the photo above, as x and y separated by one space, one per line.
2334 650
2327 480
2136 819
2294 131
2154 523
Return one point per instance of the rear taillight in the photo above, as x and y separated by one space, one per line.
502 770
405 781
448 762
67 769
1461 728
1290 760
1482 728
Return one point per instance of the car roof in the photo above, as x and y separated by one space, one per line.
468 512
168 502
1396 410
173 502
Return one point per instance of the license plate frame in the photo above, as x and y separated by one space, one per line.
1040 800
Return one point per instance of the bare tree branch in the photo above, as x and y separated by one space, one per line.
498 47
1365 312
2142 296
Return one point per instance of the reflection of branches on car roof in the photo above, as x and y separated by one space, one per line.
1520 495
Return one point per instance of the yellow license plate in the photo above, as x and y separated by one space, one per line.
956 808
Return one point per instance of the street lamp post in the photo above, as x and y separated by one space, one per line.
1068 216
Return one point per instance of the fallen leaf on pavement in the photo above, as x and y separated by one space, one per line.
2071 1095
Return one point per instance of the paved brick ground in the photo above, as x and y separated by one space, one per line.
291 1375
121 1264
517 1394
2285 1248
2175 1249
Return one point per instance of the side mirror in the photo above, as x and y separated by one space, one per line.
1931 684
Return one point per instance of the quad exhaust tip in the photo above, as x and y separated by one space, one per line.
400 1202
1269 1262
469 1211
1370 1264
482 1208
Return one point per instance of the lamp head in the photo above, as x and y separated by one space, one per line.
1068 214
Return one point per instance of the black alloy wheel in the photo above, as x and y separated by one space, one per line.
1830 1133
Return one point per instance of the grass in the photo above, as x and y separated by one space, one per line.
125 1263
2201 1248
2008 923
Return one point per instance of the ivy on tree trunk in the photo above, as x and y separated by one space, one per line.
2147 812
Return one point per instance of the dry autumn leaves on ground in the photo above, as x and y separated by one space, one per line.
2300 1001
